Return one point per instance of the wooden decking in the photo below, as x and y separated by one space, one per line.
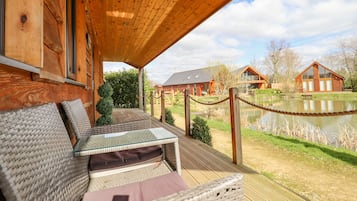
201 163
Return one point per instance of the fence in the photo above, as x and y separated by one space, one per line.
234 116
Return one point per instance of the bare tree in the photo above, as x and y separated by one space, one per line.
349 55
223 78
274 58
291 62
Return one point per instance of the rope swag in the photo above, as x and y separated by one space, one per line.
209 103
310 114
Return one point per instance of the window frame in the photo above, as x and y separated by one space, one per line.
71 39
2 27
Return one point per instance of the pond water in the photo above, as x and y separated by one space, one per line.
334 130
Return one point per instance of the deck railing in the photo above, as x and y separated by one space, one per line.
234 116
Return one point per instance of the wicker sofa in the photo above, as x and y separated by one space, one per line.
37 163
78 120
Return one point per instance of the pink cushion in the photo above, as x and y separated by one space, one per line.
141 191
162 186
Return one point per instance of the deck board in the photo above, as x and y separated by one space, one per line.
201 163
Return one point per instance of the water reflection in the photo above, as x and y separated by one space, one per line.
318 129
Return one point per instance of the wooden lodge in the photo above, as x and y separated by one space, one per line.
248 77
318 78
198 81
53 51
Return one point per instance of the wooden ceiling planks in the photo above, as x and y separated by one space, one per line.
136 32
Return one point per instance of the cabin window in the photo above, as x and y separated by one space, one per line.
2 26
324 73
71 39
309 74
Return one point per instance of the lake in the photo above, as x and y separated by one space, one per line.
333 130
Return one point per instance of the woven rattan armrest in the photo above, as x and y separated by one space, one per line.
227 188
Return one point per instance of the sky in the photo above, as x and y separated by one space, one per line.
239 33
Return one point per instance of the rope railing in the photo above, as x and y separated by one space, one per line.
310 114
209 103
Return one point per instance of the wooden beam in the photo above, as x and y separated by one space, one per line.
152 103
55 10
237 154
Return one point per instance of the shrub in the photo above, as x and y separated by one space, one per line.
104 120
169 118
105 90
105 105
126 88
200 130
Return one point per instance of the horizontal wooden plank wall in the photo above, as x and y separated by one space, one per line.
18 90
35 35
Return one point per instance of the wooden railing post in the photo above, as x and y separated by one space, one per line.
237 154
163 115
140 77
156 101
152 103
187 113
172 97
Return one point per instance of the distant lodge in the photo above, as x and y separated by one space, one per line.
315 78
318 78
201 81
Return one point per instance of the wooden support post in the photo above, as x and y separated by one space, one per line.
152 103
144 101
140 77
187 113
172 97
163 115
237 154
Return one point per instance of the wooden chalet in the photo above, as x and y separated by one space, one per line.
318 78
52 50
198 81
248 77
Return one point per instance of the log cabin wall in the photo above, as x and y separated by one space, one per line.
194 89
35 36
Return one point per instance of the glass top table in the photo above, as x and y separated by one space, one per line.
111 142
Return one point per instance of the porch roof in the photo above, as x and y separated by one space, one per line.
136 32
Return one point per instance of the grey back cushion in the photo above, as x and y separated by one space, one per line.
36 157
78 117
